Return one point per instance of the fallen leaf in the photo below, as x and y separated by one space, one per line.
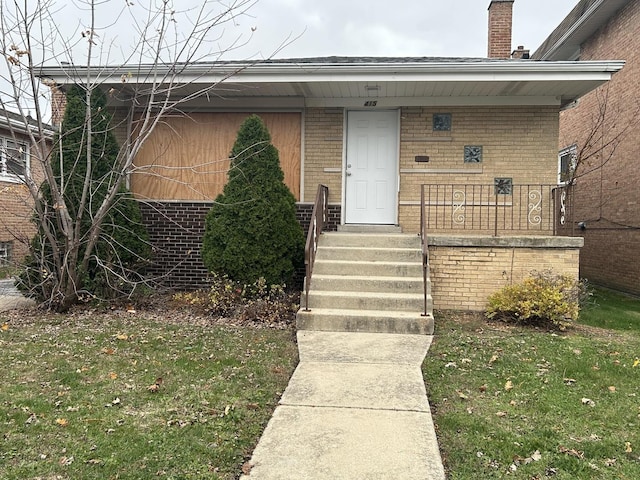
501 414
461 395
116 401
451 365
94 461
66 461
627 447
536 456
4 327
153 388
610 462
636 362
508 386
246 468
571 452
612 389
63 422
569 381
113 375
588 401
108 351
122 336
493 359
483 388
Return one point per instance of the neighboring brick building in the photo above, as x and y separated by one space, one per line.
605 197
16 165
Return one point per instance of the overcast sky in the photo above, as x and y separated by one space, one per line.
391 28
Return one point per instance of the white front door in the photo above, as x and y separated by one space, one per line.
371 192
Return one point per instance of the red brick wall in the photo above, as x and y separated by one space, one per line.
16 209
607 188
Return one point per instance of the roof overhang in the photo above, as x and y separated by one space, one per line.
351 84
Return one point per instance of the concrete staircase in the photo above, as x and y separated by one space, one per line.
367 282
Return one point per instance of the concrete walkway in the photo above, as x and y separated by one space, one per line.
355 408
11 298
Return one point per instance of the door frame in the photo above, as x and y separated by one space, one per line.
396 159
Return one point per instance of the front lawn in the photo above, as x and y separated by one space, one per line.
131 396
528 404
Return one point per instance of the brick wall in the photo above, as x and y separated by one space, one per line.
517 142
176 230
606 193
466 270
16 204
323 146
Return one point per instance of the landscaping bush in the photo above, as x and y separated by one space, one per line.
544 300
256 303
252 232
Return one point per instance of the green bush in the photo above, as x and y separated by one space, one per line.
252 232
544 300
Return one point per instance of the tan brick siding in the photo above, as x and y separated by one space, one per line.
464 277
323 148
606 194
517 143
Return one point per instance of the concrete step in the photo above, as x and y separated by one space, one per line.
402 302
367 283
364 228
363 267
369 254
371 321
363 240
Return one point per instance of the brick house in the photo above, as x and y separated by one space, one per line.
16 204
605 196
472 139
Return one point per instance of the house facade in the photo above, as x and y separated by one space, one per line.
467 144
599 140
16 204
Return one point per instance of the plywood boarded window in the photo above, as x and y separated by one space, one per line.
187 157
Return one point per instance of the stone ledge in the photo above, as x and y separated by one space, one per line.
504 242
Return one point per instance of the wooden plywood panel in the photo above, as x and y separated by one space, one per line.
187 157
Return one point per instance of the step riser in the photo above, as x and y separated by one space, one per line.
336 323
370 241
327 267
361 303
372 255
347 284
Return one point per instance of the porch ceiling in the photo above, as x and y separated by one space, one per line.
337 81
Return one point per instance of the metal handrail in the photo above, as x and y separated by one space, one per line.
319 218
425 250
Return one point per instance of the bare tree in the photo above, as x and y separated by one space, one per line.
165 44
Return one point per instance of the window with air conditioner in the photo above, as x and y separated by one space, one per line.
13 159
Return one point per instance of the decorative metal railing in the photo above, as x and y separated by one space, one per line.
493 209
319 218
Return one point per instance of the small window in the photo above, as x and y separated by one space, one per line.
567 159
13 159
441 122
473 154
5 253
503 186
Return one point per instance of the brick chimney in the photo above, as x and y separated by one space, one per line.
500 12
